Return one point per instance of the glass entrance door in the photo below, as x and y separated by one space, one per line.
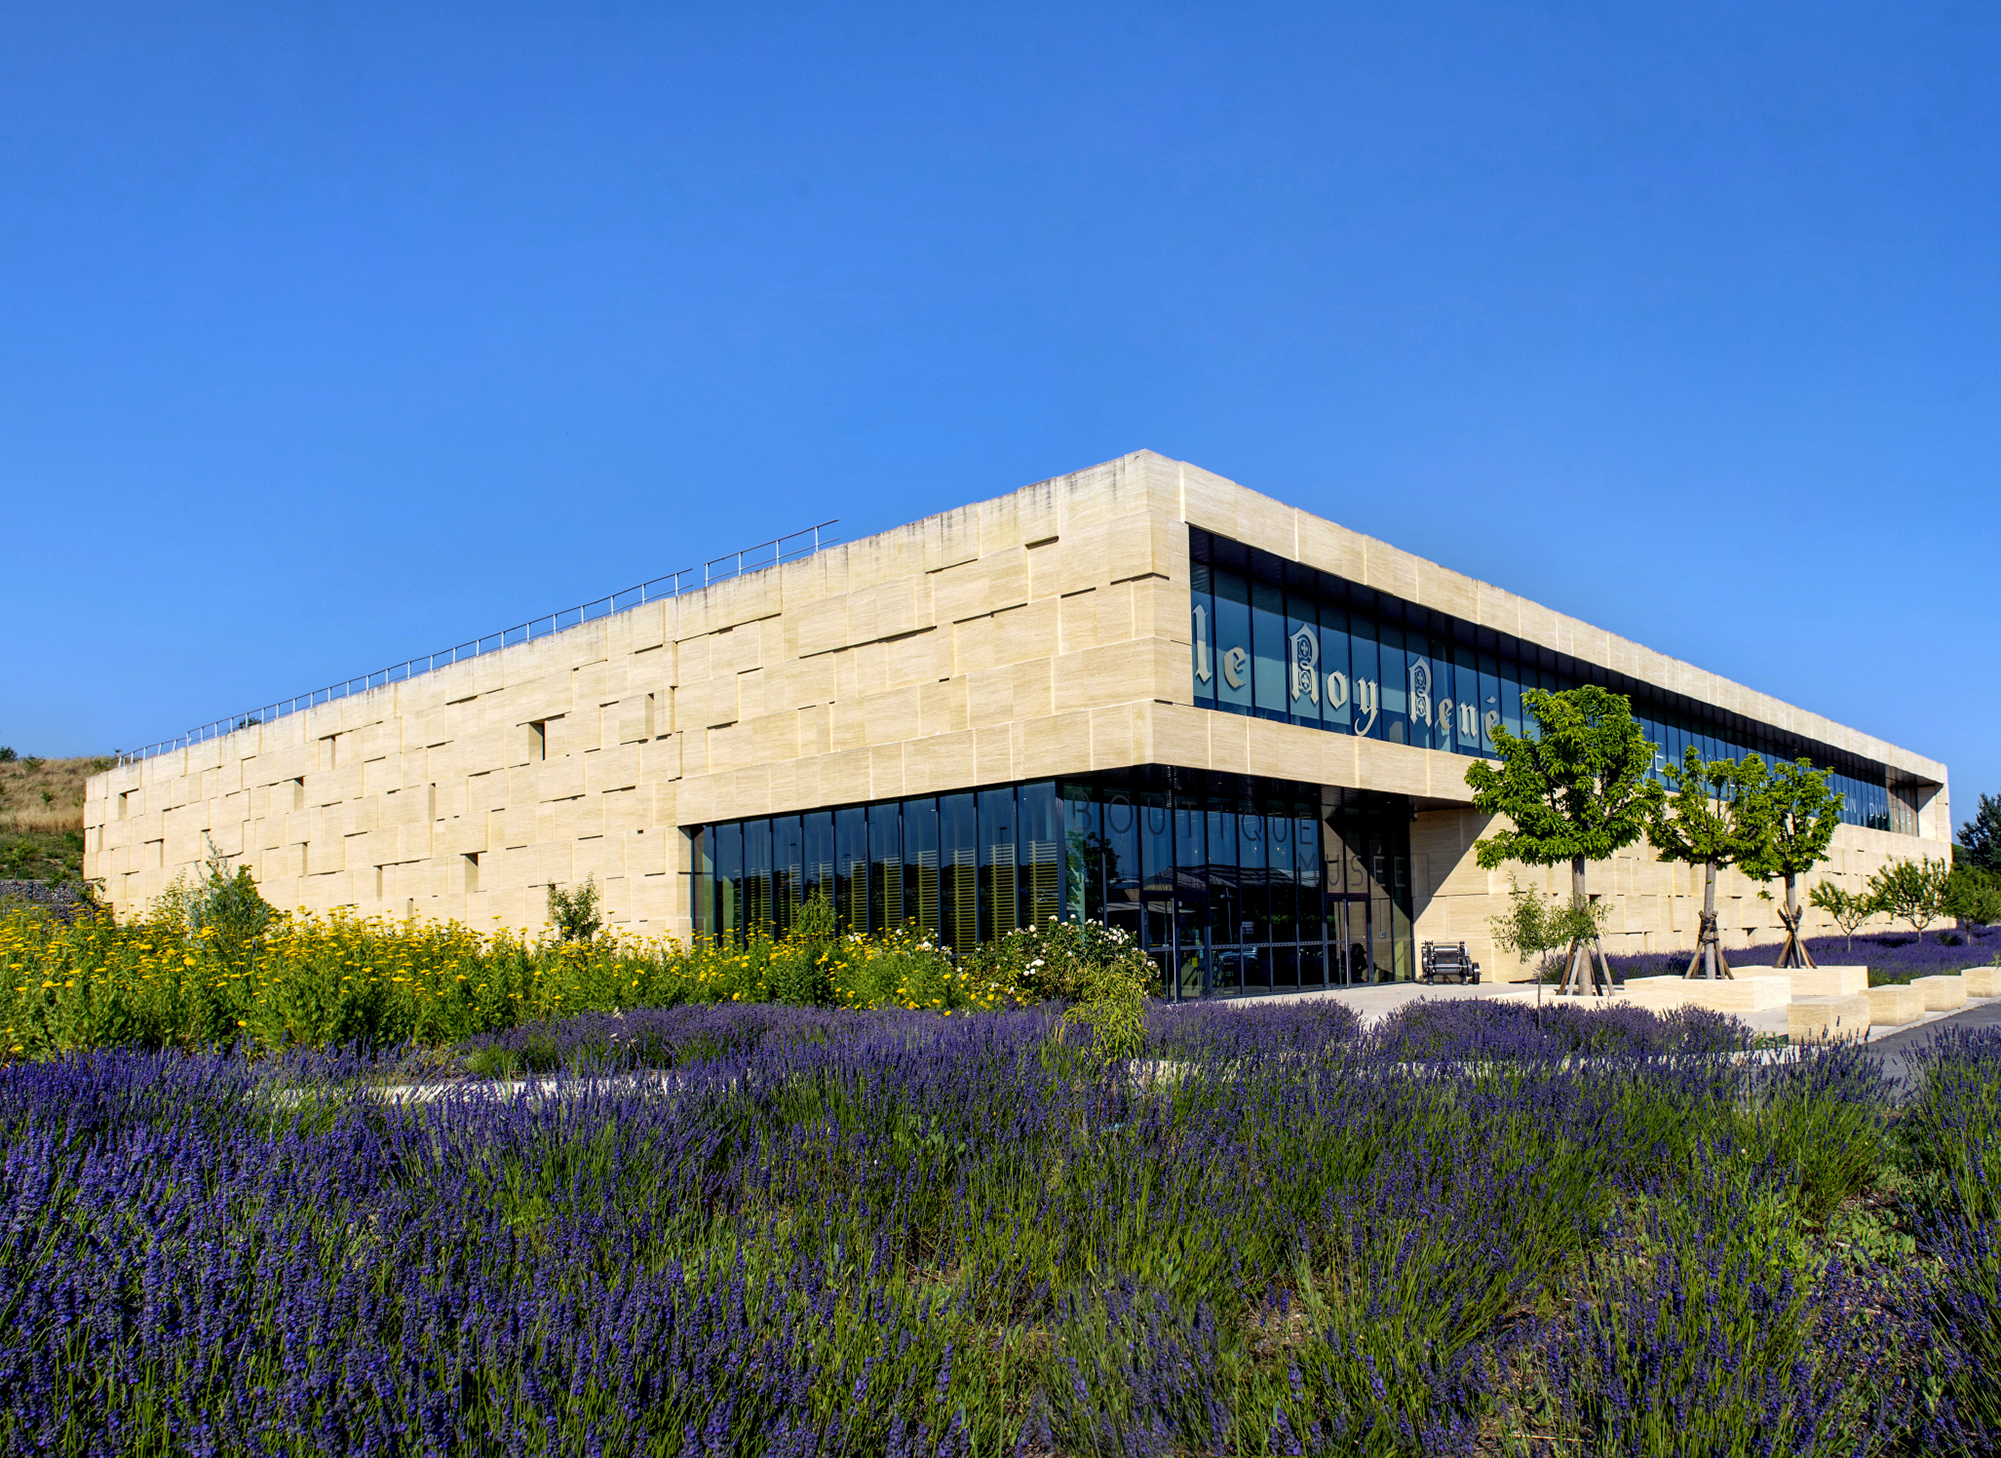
1348 941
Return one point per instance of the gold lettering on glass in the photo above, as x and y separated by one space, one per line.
1202 642
1337 690
1234 663
1420 692
1368 700
1305 665
1445 717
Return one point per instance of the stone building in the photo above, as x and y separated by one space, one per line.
1139 692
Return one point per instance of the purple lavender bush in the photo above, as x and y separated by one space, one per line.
832 1233
1889 956
667 1037
1476 1028
1953 1149
1232 1030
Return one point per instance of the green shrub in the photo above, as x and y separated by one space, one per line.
1093 967
576 913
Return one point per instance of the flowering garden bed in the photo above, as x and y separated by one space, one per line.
1889 956
893 1232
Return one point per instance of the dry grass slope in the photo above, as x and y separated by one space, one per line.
41 816
45 794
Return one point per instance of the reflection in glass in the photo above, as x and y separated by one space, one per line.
1000 883
1233 641
1122 868
1390 670
851 867
958 862
1268 649
920 865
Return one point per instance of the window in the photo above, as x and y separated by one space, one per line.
1276 640
472 872
1225 891
538 740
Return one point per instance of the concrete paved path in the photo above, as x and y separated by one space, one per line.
1897 1048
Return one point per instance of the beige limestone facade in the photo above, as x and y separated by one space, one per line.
1040 634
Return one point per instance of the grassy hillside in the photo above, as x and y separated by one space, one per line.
41 816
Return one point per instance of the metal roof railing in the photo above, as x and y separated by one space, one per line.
779 550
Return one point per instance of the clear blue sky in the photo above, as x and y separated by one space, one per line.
334 334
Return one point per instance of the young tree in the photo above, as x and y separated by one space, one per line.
1701 822
1527 929
1790 819
1848 908
576 913
1973 895
1980 837
1533 927
1576 790
1913 891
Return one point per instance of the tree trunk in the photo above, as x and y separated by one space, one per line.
1708 960
1795 954
1588 970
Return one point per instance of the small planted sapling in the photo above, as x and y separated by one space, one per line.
1848 909
576 913
1915 892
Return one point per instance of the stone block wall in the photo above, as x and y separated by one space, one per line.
1041 633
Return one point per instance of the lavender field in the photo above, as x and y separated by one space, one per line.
894 1233
1889 956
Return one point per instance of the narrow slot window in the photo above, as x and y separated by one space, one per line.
538 740
472 872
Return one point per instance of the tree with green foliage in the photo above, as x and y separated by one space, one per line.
1913 891
1973 895
1535 925
1701 822
576 913
1980 837
1849 909
1526 929
1578 789
1107 979
1792 818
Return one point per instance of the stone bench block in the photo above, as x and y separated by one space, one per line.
1942 991
1895 1006
1983 981
1815 1019
1829 981
1740 994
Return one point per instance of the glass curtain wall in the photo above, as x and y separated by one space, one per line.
1275 640
1231 885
